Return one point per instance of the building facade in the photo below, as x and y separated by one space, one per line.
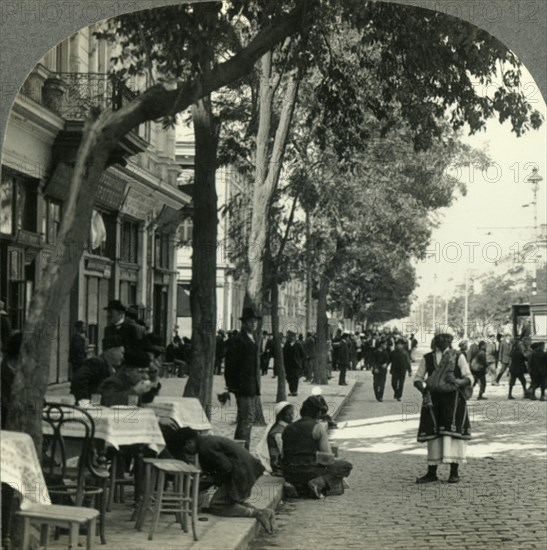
130 253
235 190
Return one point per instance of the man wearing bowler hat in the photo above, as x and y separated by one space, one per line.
119 325
241 373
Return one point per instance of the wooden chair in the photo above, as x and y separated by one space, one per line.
71 463
71 517
183 500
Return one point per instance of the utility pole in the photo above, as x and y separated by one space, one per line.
534 179
466 307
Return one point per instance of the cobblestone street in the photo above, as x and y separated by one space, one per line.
501 500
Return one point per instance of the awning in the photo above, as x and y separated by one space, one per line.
169 219
110 194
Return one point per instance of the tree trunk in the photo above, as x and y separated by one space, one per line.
32 371
320 366
278 350
203 304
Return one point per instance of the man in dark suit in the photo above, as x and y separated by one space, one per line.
293 358
241 373
118 325
343 358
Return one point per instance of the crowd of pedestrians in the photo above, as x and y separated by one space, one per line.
498 356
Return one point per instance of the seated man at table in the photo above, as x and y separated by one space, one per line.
95 370
136 377
233 469
308 462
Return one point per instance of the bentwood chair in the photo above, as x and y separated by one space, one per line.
74 470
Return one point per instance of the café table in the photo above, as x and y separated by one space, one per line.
185 411
120 426
20 468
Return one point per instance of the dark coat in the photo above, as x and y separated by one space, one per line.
127 331
518 362
293 358
116 389
343 353
400 361
229 463
241 366
89 377
76 350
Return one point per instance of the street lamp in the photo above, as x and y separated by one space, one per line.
534 178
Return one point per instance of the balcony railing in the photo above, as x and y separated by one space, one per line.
73 95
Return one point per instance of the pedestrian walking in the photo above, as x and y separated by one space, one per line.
400 366
380 362
538 370
444 422
517 368
504 356
479 368
293 357
309 350
241 373
492 356
343 359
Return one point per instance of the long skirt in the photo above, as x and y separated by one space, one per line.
444 414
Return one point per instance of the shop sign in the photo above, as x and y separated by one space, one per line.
137 204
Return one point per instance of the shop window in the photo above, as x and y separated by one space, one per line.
18 204
162 251
53 220
186 231
130 242
6 205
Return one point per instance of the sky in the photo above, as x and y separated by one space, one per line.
491 218
494 201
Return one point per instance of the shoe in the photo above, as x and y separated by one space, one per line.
481 397
454 478
542 398
315 491
343 384
427 479
379 399
398 398
510 397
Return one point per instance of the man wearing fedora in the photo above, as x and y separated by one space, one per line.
119 325
241 373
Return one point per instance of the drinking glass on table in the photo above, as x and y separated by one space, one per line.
96 399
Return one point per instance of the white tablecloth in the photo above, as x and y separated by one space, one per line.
185 411
21 468
120 426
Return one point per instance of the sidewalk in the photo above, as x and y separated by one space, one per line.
213 531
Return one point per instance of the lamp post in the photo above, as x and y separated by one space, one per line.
534 178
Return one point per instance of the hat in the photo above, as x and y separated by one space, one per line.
280 407
152 343
136 359
132 313
249 313
291 333
444 329
117 305
114 341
